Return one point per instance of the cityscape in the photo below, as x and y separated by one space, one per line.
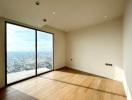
24 61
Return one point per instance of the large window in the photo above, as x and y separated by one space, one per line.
29 52
44 52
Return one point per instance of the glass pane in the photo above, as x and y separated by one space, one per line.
20 53
44 52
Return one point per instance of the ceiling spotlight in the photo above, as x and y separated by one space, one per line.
53 12
37 3
45 20
105 16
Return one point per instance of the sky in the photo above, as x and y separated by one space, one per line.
21 39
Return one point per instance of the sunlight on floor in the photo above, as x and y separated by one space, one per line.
13 77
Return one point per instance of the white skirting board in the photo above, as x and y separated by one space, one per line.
58 67
127 91
114 73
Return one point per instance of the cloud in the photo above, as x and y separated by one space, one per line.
21 39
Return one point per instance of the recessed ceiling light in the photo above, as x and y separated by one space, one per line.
53 12
37 3
44 20
105 16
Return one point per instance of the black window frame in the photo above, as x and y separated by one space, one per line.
36 29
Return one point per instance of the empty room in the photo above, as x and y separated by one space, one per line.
65 49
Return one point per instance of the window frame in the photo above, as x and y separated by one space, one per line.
35 29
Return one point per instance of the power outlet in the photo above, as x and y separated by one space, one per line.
108 64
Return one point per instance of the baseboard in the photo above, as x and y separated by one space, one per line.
119 73
84 72
127 91
58 68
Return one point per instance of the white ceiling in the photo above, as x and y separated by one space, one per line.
70 14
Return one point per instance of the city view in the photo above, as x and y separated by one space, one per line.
21 58
20 61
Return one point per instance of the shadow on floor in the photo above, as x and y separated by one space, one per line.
12 94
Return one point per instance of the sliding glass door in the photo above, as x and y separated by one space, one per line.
20 53
29 52
44 52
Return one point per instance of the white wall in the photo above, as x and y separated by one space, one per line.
59 48
92 47
127 37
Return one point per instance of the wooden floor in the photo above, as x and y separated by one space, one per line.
65 84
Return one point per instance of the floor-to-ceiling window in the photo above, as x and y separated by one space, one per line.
44 52
29 52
